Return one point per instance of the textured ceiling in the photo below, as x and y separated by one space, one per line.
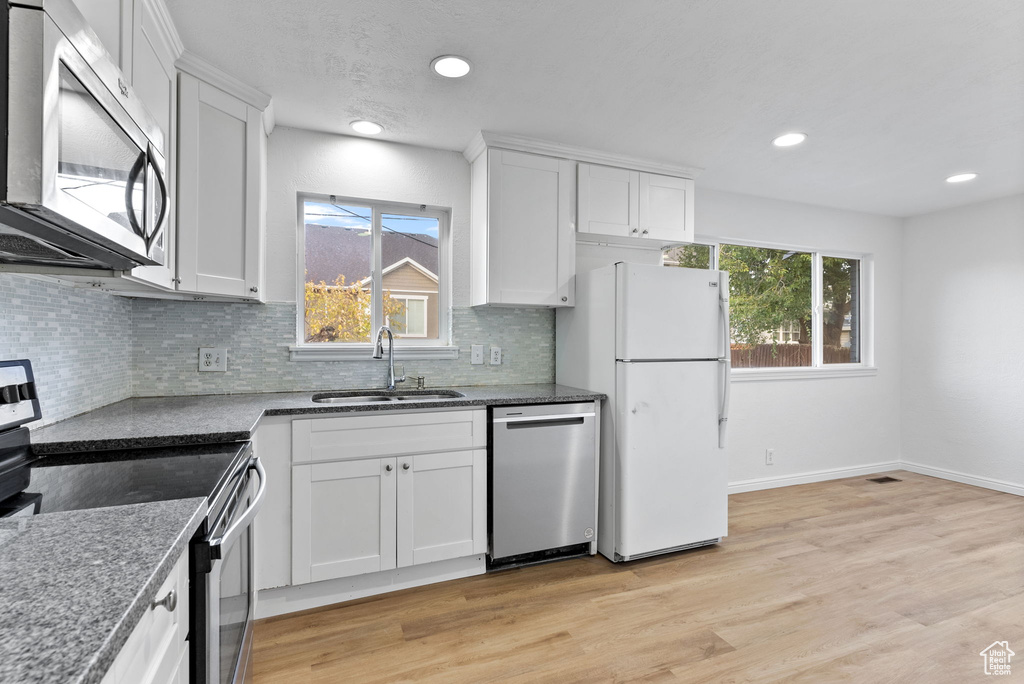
894 95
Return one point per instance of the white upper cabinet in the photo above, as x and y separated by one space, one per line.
221 153
155 47
620 203
522 229
666 208
609 200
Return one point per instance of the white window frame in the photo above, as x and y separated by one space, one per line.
426 313
817 369
405 349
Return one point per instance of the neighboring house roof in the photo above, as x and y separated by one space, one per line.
412 263
331 250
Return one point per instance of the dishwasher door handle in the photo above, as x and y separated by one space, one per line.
539 421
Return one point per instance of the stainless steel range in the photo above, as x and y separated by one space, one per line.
222 590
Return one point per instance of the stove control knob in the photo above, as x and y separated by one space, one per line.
9 394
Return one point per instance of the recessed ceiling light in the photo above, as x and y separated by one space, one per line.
789 139
961 177
450 66
366 127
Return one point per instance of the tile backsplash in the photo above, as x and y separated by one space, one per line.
79 342
168 334
90 348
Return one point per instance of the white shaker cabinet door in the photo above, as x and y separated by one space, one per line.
666 208
442 506
221 148
343 519
154 79
609 200
528 255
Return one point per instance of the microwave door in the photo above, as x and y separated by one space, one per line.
72 149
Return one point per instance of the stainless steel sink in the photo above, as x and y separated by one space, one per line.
374 397
353 399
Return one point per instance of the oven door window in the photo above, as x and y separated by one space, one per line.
98 164
234 602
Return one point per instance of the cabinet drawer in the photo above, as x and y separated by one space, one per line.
363 436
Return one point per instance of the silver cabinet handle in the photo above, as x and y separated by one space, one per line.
388 467
170 602
405 466
565 299
634 230
254 289
645 231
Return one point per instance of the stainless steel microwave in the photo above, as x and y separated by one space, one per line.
82 179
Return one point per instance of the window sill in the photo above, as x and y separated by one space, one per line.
363 352
763 374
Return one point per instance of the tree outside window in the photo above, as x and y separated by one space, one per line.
771 303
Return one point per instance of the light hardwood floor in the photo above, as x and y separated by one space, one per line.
845 580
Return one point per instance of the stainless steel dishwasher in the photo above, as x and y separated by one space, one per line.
543 482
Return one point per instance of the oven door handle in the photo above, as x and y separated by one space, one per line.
232 532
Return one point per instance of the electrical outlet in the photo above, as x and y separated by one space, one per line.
477 354
769 456
495 356
213 359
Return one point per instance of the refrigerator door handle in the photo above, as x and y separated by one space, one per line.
723 411
725 360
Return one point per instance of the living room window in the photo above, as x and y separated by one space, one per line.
368 264
789 308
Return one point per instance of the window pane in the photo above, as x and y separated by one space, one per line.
687 256
339 265
770 306
409 258
841 310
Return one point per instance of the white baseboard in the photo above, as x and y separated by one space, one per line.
281 600
964 478
813 476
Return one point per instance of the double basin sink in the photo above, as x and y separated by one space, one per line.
380 396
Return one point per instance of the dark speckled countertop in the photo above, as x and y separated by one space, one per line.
209 419
75 584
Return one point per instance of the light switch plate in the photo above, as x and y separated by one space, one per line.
477 355
213 359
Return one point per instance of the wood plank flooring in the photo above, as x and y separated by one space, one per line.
846 580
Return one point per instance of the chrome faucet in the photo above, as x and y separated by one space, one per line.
378 353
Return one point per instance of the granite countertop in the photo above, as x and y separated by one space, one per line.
213 418
75 584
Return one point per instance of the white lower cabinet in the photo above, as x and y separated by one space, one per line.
343 519
156 651
358 515
442 506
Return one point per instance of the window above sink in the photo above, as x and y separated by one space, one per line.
368 263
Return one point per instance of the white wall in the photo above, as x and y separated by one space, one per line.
309 161
963 336
816 424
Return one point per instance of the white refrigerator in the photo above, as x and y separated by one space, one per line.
656 341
